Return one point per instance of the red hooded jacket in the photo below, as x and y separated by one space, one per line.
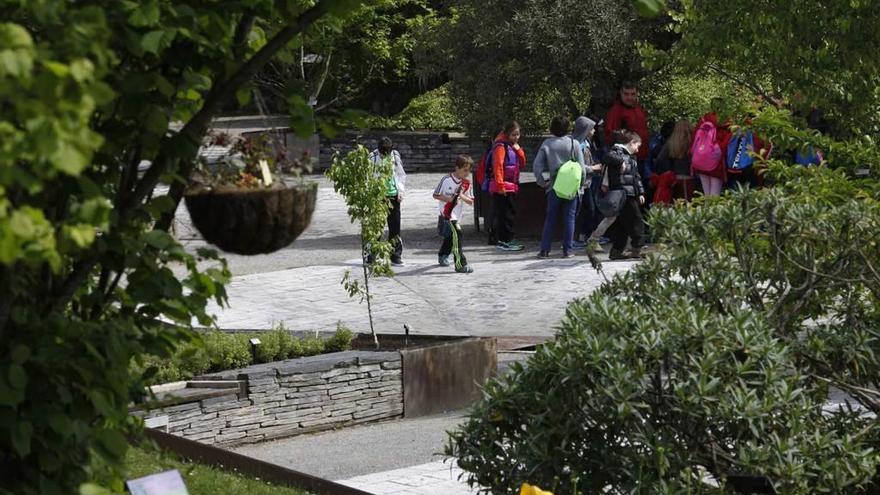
621 116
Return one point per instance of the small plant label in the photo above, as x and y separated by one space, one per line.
165 483
264 171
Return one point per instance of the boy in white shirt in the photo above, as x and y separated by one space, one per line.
452 190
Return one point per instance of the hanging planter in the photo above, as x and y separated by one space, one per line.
253 221
241 206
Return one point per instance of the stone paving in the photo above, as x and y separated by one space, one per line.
433 478
508 293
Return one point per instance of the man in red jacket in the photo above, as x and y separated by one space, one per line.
627 113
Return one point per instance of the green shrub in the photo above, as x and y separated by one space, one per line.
312 346
218 351
227 351
269 348
713 358
341 339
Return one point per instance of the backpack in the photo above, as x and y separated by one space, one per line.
808 157
568 178
485 174
705 152
738 156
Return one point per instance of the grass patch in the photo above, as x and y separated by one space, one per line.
200 479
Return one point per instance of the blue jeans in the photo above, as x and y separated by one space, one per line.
569 208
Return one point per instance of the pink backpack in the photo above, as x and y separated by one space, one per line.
705 152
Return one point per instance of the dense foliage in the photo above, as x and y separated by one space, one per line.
801 53
713 358
531 60
219 351
89 277
363 60
432 110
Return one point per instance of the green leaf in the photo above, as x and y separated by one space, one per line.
145 15
20 353
112 441
69 159
151 41
21 437
83 235
649 8
158 239
13 36
17 376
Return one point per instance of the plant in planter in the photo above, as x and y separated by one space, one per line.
363 184
240 202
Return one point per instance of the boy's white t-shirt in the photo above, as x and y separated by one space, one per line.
448 186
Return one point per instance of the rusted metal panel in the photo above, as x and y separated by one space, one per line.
446 376
213 456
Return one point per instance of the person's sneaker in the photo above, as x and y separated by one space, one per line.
604 240
578 245
616 255
396 261
568 255
464 269
506 246
443 260
543 254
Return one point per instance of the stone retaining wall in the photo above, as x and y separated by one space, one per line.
420 151
291 397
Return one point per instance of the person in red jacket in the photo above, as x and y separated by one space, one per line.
627 113
508 159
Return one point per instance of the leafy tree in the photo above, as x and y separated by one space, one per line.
534 59
363 60
714 358
802 53
363 184
89 277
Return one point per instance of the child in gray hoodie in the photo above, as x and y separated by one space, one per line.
553 153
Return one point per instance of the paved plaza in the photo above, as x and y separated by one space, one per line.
513 294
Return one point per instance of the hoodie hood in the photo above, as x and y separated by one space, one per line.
582 127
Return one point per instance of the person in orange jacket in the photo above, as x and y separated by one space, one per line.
508 159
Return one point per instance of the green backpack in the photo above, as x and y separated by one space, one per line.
568 178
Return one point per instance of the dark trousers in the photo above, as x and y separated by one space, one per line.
505 213
450 230
589 216
394 228
629 226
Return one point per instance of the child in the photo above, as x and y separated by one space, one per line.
620 171
450 192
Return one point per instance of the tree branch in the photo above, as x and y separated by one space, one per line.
242 30
755 87
185 144
191 134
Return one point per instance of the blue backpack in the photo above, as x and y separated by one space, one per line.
738 156
810 157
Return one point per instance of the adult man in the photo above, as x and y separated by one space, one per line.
627 113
